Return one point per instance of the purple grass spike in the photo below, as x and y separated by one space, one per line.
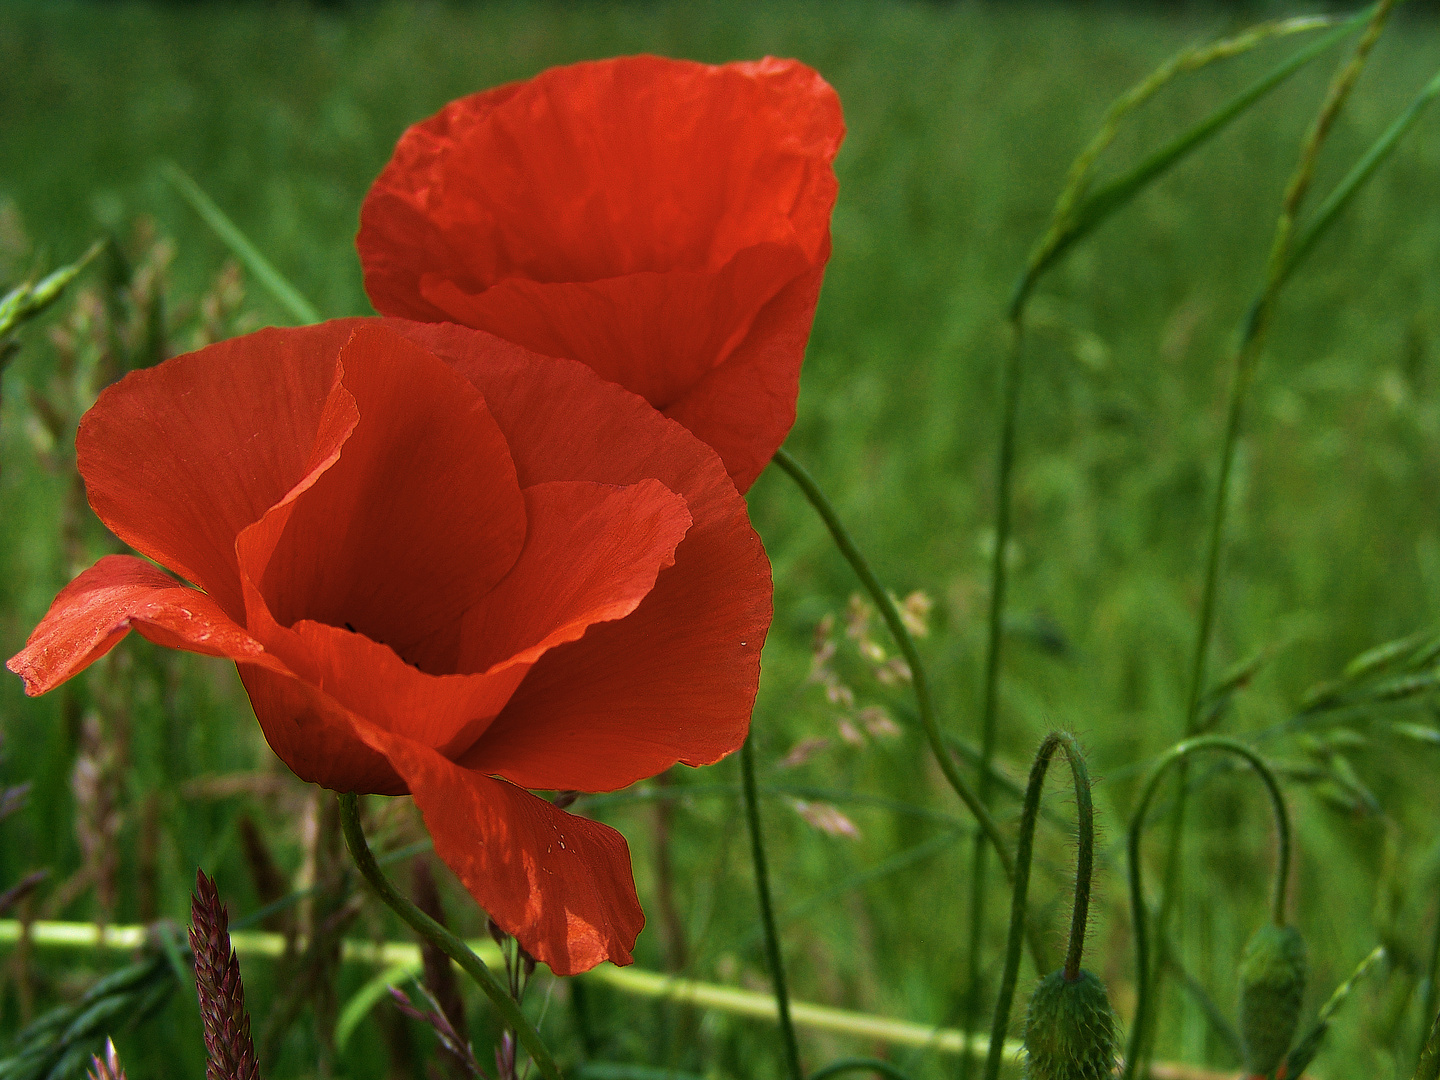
222 994
108 1067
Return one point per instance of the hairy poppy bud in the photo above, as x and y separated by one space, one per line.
1272 984
1070 1030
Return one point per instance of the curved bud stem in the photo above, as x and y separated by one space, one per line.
1178 753
1085 858
509 1009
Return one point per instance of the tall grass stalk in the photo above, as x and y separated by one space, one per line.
1244 361
891 614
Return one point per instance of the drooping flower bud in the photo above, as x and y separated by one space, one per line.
1272 986
1070 1032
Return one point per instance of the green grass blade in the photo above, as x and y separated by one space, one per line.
366 998
1118 192
285 294
26 301
1356 178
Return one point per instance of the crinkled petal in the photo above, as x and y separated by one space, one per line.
641 215
657 334
561 884
676 679
117 594
418 518
745 407
178 458
315 735
592 554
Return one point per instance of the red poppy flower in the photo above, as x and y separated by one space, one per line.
665 222
444 566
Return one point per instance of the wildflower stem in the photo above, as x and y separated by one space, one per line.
1084 861
1177 754
1245 360
767 913
906 643
509 1009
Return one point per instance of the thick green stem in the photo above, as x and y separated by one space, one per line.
508 1008
1178 753
886 604
767 912
1084 862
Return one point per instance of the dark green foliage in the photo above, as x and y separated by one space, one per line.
1070 1032
1272 989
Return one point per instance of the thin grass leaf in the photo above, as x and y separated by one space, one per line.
65 1038
1383 656
285 294
1104 201
358 1007
26 301
1428 1067
1305 1050
1356 178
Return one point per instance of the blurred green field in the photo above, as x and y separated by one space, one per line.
962 121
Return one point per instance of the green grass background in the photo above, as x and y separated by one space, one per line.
962 120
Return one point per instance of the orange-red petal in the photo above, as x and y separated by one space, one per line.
641 215
676 679
417 519
561 884
592 554
117 594
178 458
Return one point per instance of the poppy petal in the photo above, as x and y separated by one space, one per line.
665 683
105 602
420 516
656 334
315 735
561 884
592 554
745 407
640 215
178 458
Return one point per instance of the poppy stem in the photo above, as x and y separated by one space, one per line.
906 643
1144 984
1084 861
767 913
510 1012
